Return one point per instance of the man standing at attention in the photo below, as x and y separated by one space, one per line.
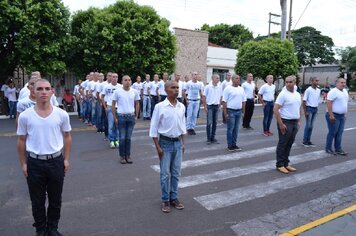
310 106
336 102
146 98
287 112
211 102
44 145
128 106
161 91
249 88
167 130
234 100
138 86
223 85
266 97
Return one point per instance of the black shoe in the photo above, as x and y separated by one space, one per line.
341 152
41 233
128 160
311 144
236 148
330 151
53 232
231 148
249 127
193 132
214 141
306 144
208 142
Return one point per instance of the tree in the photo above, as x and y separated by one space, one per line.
269 56
224 35
312 47
124 37
33 34
348 58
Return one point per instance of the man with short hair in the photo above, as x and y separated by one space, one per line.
266 97
43 133
103 101
223 85
161 90
310 105
180 87
138 86
287 112
249 88
76 92
146 98
126 100
167 131
337 103
154 91
234 100
211 102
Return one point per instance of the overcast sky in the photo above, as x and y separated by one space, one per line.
336 19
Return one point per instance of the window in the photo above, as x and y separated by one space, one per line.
221 73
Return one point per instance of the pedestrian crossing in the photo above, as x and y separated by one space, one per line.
214 169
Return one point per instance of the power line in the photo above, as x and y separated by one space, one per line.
302 14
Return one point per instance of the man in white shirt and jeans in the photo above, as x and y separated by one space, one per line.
287 112
266 97
310 106
43 132
249 88
167 131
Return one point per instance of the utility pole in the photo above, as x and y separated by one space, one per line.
284 18
271 22
290 21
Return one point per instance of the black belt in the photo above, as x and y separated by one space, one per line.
312 107
290 120
126 114
194 100
45 157
267 101
213 105
234 109
146 95
250 98
169 138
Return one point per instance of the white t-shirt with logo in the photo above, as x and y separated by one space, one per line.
125 100
267 92
193 90
234 97
290 104
340 100
109 91
44 135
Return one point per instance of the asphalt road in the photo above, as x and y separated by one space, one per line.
224 193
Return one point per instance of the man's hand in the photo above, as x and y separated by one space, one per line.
66 166
24 170
160 153
332 119
283 128
116 121
226 116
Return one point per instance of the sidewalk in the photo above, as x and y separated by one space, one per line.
341 223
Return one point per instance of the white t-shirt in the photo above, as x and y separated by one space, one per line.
290 104
24 92
311 96
145 86
225 83
137 86
153 87
193 90
234 97
4 88
267 92
109 91
125 100
11 94
340 100
249 89
161 89
25 103
180 88
212 94
102 91
76 90
44 135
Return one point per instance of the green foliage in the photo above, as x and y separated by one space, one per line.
33 34
224 35
348 59
268 56
124 37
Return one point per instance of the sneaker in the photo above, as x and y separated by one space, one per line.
265 133
215 141
189 131
129 160
53 232
123 160
330 151
177 204
112 144
270 133
306 144
341 152
117 143
165 207
231 148
236 148
193 132
311 144
208 142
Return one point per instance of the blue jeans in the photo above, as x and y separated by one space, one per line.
309 123
99 122
170 166
82 109
93 111
192 113
267 115
104 117
211 121
146 106
335 131
154 101
232 126
88 114
126 125
12 108
113 130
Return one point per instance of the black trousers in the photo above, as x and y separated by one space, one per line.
45 177
285 142
249 107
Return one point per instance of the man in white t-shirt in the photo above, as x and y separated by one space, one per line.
234 100
287 112
161 91
44 143
154 91
180 87
11 96
266 97
146 98
5 103
211 101
249 88
126 100
223 85
337 103
103 100
76 93
138 86
310 105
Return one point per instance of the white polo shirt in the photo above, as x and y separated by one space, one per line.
125 100
340 100
212 94
267 92
249 89
168 120
290 104
234 97
44 135
311 97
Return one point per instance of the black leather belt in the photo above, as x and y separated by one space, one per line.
169 138
194 100
230 109
45 157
